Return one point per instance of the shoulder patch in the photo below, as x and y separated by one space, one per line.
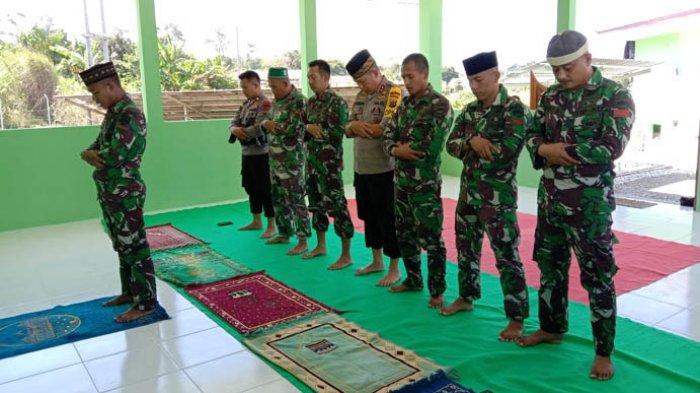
621 112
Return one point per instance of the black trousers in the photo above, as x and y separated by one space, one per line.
375 206
255 172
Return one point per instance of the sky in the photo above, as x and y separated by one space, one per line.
517 30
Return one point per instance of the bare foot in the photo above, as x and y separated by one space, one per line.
436 301
132 315
341 263
460 304
390 278
374 267
298 249
278 240
602 369
270 232
513 332
118 300
539 337
253 226
316 252
404 288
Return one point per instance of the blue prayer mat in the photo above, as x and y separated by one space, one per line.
65 324
436 383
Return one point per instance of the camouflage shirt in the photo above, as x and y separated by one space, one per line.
504 124
249 116
287 150
423 123
596 120
330 112
121 143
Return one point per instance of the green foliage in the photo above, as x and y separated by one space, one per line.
392 72
449 73
27 81
182 71
337 67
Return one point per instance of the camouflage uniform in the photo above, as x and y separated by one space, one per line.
488 197
287 160
122 193
575 202
325 164
423 123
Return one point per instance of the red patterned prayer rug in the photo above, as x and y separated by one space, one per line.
161 237
641 259
255 301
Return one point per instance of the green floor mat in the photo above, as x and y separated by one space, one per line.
646 359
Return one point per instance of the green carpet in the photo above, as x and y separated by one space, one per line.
646 359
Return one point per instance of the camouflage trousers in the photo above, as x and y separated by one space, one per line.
591 238
501 227
291 213
124 219
419 226
327 198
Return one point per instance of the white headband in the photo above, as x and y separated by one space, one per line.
561 60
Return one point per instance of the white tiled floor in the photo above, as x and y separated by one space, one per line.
191 354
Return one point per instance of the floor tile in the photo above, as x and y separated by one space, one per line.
241 370
130 367
37 362
685 323
678 289
110 344
71 379
172 301
279 386
641 309
201 347
177 382
185 322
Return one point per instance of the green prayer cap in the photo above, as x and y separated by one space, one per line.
277 73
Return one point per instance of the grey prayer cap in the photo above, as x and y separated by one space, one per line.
566 47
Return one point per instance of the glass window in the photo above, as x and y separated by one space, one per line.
43 44
387 28
203 49
517 30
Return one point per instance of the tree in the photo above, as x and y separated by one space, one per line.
449 73
392 72
41 39
220 43
290 59
124 54
337 67
251 62
182 71
27 80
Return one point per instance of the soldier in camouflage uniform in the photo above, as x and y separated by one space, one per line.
285 123
488 137
374 105
415 136
581 126
327 115
255 166
116 155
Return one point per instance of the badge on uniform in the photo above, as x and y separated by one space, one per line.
621 112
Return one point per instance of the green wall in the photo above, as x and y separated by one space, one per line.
45 182
664 47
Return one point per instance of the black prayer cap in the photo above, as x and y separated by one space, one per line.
98 72
360 64
480 62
